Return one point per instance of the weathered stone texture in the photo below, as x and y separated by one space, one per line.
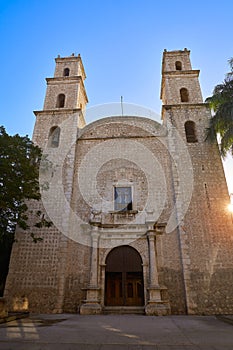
187 261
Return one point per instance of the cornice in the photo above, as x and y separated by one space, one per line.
72 58
175 73
182 72
185 105
70 79
57 111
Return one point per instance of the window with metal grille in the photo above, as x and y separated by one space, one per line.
123 198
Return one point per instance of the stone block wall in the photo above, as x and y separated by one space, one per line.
176 183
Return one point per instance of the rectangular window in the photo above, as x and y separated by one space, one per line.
123 198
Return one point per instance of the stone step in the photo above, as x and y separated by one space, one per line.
120 310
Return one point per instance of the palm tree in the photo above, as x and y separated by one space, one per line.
221 104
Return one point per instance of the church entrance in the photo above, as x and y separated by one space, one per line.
124 278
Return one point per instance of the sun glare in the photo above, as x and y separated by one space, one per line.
230 207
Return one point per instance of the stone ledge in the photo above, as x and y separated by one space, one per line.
124 310
57 111
124 213
185 105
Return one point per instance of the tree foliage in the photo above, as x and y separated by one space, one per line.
221 104
19 180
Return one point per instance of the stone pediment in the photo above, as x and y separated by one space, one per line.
122 127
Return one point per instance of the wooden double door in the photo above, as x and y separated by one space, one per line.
124 289
124 278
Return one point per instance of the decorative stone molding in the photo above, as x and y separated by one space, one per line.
155 305
92 305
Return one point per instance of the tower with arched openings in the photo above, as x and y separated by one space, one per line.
139 208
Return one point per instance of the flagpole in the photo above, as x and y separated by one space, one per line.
122 106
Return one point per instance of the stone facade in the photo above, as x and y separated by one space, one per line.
175 223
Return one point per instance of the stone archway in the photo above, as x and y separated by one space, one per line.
124 278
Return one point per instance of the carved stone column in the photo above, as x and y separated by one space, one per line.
155 304
153 270
92 305
94 258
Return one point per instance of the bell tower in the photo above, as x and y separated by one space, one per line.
179 81
65 97
181 95
198 182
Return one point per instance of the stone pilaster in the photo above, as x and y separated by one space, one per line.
155 304
92 303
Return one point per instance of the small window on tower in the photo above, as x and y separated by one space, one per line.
123 198
184 95
190 131
178 65
66 72
54 136
60 101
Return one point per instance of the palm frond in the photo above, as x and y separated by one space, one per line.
221 104
226 141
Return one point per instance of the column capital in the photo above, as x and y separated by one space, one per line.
155 228
95 235
151 234
160 228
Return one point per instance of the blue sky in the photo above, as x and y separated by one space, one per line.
121 44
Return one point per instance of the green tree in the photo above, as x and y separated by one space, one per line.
19 180
221 104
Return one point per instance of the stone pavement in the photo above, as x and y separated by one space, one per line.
113 332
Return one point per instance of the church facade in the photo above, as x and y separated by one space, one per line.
139 208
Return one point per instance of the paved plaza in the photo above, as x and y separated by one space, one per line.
116 332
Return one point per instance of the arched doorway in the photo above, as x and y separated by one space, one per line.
124 278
